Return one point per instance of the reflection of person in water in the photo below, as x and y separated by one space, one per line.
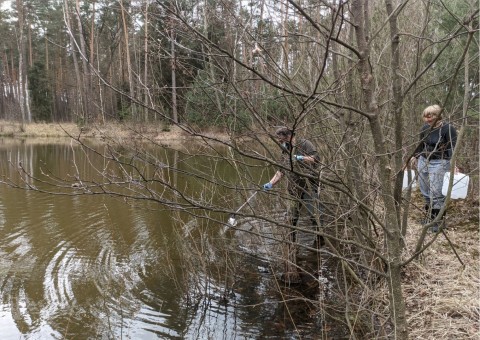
302 154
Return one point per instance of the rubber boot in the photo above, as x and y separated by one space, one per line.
440 223
427 217
436 226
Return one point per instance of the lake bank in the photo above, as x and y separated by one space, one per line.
118 131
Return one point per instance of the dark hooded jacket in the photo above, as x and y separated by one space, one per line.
298 179
437 143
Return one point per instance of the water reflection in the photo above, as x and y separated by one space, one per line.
98 266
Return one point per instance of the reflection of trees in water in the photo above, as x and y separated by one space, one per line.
298 308
185 244
241 272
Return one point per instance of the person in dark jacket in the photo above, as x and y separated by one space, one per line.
301 156
432 159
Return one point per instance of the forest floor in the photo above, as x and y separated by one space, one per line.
442 296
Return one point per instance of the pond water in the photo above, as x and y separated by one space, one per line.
86 265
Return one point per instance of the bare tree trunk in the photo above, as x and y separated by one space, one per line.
127 56
206 19
174 79
285 44
79 108
21 63
21 88
86 93
392 227
354 158
101 92
92 35
47 66
30 52
397 103
145 66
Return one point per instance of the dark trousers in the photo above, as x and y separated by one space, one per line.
306 196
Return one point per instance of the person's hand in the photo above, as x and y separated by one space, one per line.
298 157
267 186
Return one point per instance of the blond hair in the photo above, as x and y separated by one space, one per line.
434 110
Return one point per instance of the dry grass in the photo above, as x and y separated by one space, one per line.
112 131
442 297
15 129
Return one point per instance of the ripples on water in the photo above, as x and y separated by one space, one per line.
71 271
95 267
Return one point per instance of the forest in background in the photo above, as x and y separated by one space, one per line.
232 64
353 76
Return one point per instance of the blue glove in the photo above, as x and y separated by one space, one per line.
298 157
267 186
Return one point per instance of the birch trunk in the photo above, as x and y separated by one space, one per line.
174 80
86 93
127 56
174 74
21 63
79 109
145 67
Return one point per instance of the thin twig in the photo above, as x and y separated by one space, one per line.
453 247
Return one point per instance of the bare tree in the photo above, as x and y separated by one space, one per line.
22 66
344 75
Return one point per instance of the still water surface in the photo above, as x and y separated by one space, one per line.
101 267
